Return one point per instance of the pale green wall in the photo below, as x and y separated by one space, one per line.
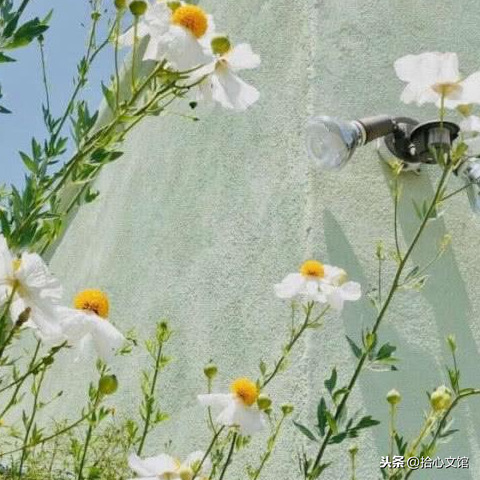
198 220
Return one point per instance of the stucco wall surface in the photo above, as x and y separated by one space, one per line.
198 220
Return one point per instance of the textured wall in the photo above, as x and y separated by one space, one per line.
198 220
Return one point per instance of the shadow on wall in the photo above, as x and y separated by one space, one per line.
419 370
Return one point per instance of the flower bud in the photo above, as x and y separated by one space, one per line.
394 397
185 473
121 4
452 343
174 5
48 360
441 398
210 371
264 402
287 409
221 45
353 450
23 317
466 110
138 7
108 384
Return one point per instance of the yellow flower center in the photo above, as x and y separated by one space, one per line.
245 390
93 301
312 268
447 89
192 18
16 264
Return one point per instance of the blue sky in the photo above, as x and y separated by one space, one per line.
22 81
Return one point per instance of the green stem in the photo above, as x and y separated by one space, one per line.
31 420
44 73
150 400
117 69
271 444
381 315
396 202
88 437
293 340
134 52
20 382
443 420
209 450
229 457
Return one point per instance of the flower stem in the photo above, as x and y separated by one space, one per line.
229 457
295 336
150 400
37 388
381 315
271 444
134 52
209 450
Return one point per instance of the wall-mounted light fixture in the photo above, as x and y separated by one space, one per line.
331 143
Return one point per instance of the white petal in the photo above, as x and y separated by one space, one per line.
220 400
153 466
242 57
351 291
291 286
470 89
6 260
249 419
470 124
106 338
34 275
231 91
139 466
333 274
428 68
183 50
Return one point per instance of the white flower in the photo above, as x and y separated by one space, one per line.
222 85
33 287
87 323
238 409
165 467
431 75
338 290
174 35
470 124
319 283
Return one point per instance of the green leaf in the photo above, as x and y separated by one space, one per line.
332 423
339 392
109 97
322 416
366 422
5 58
306 431
332 381
357 351
385 351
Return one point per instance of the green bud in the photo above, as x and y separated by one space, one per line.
121 4
221 45
138 7
441 399
287 409
264 402
174 5
23 317
353 450
394 397
452 343
48 360
108 384
210 371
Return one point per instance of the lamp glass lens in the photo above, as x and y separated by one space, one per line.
330 142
